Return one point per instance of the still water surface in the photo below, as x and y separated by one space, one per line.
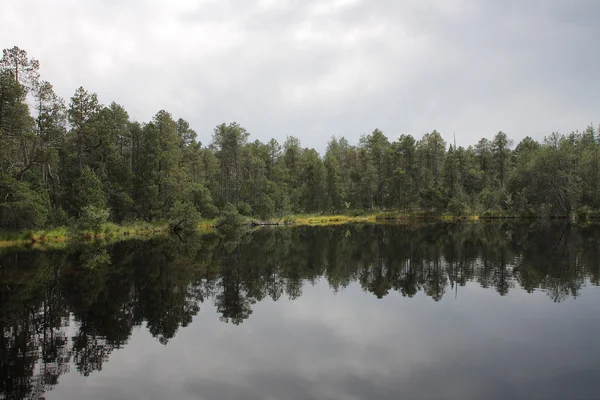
440 311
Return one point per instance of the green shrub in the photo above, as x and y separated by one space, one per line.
245 209
22 215
265 207
209 210
357 212
58 217
458 205
91 218
183 216
23 207
230 220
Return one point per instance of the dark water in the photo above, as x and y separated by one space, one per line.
467 311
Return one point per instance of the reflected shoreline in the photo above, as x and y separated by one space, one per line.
103 292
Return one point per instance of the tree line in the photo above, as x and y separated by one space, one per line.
84 162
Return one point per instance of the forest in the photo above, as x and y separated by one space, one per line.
82 163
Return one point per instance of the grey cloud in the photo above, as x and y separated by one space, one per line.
319 68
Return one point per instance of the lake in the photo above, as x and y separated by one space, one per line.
426 311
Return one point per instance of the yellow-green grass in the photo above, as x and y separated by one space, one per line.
110 232
206 225
313 219
56 236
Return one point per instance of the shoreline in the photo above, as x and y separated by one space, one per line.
61 236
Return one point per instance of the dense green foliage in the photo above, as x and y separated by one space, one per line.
85 162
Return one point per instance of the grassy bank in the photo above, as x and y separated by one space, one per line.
109 232
315 219
56 237
377 217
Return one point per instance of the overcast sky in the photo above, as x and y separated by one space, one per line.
316 68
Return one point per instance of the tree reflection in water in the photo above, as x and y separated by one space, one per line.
74 307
